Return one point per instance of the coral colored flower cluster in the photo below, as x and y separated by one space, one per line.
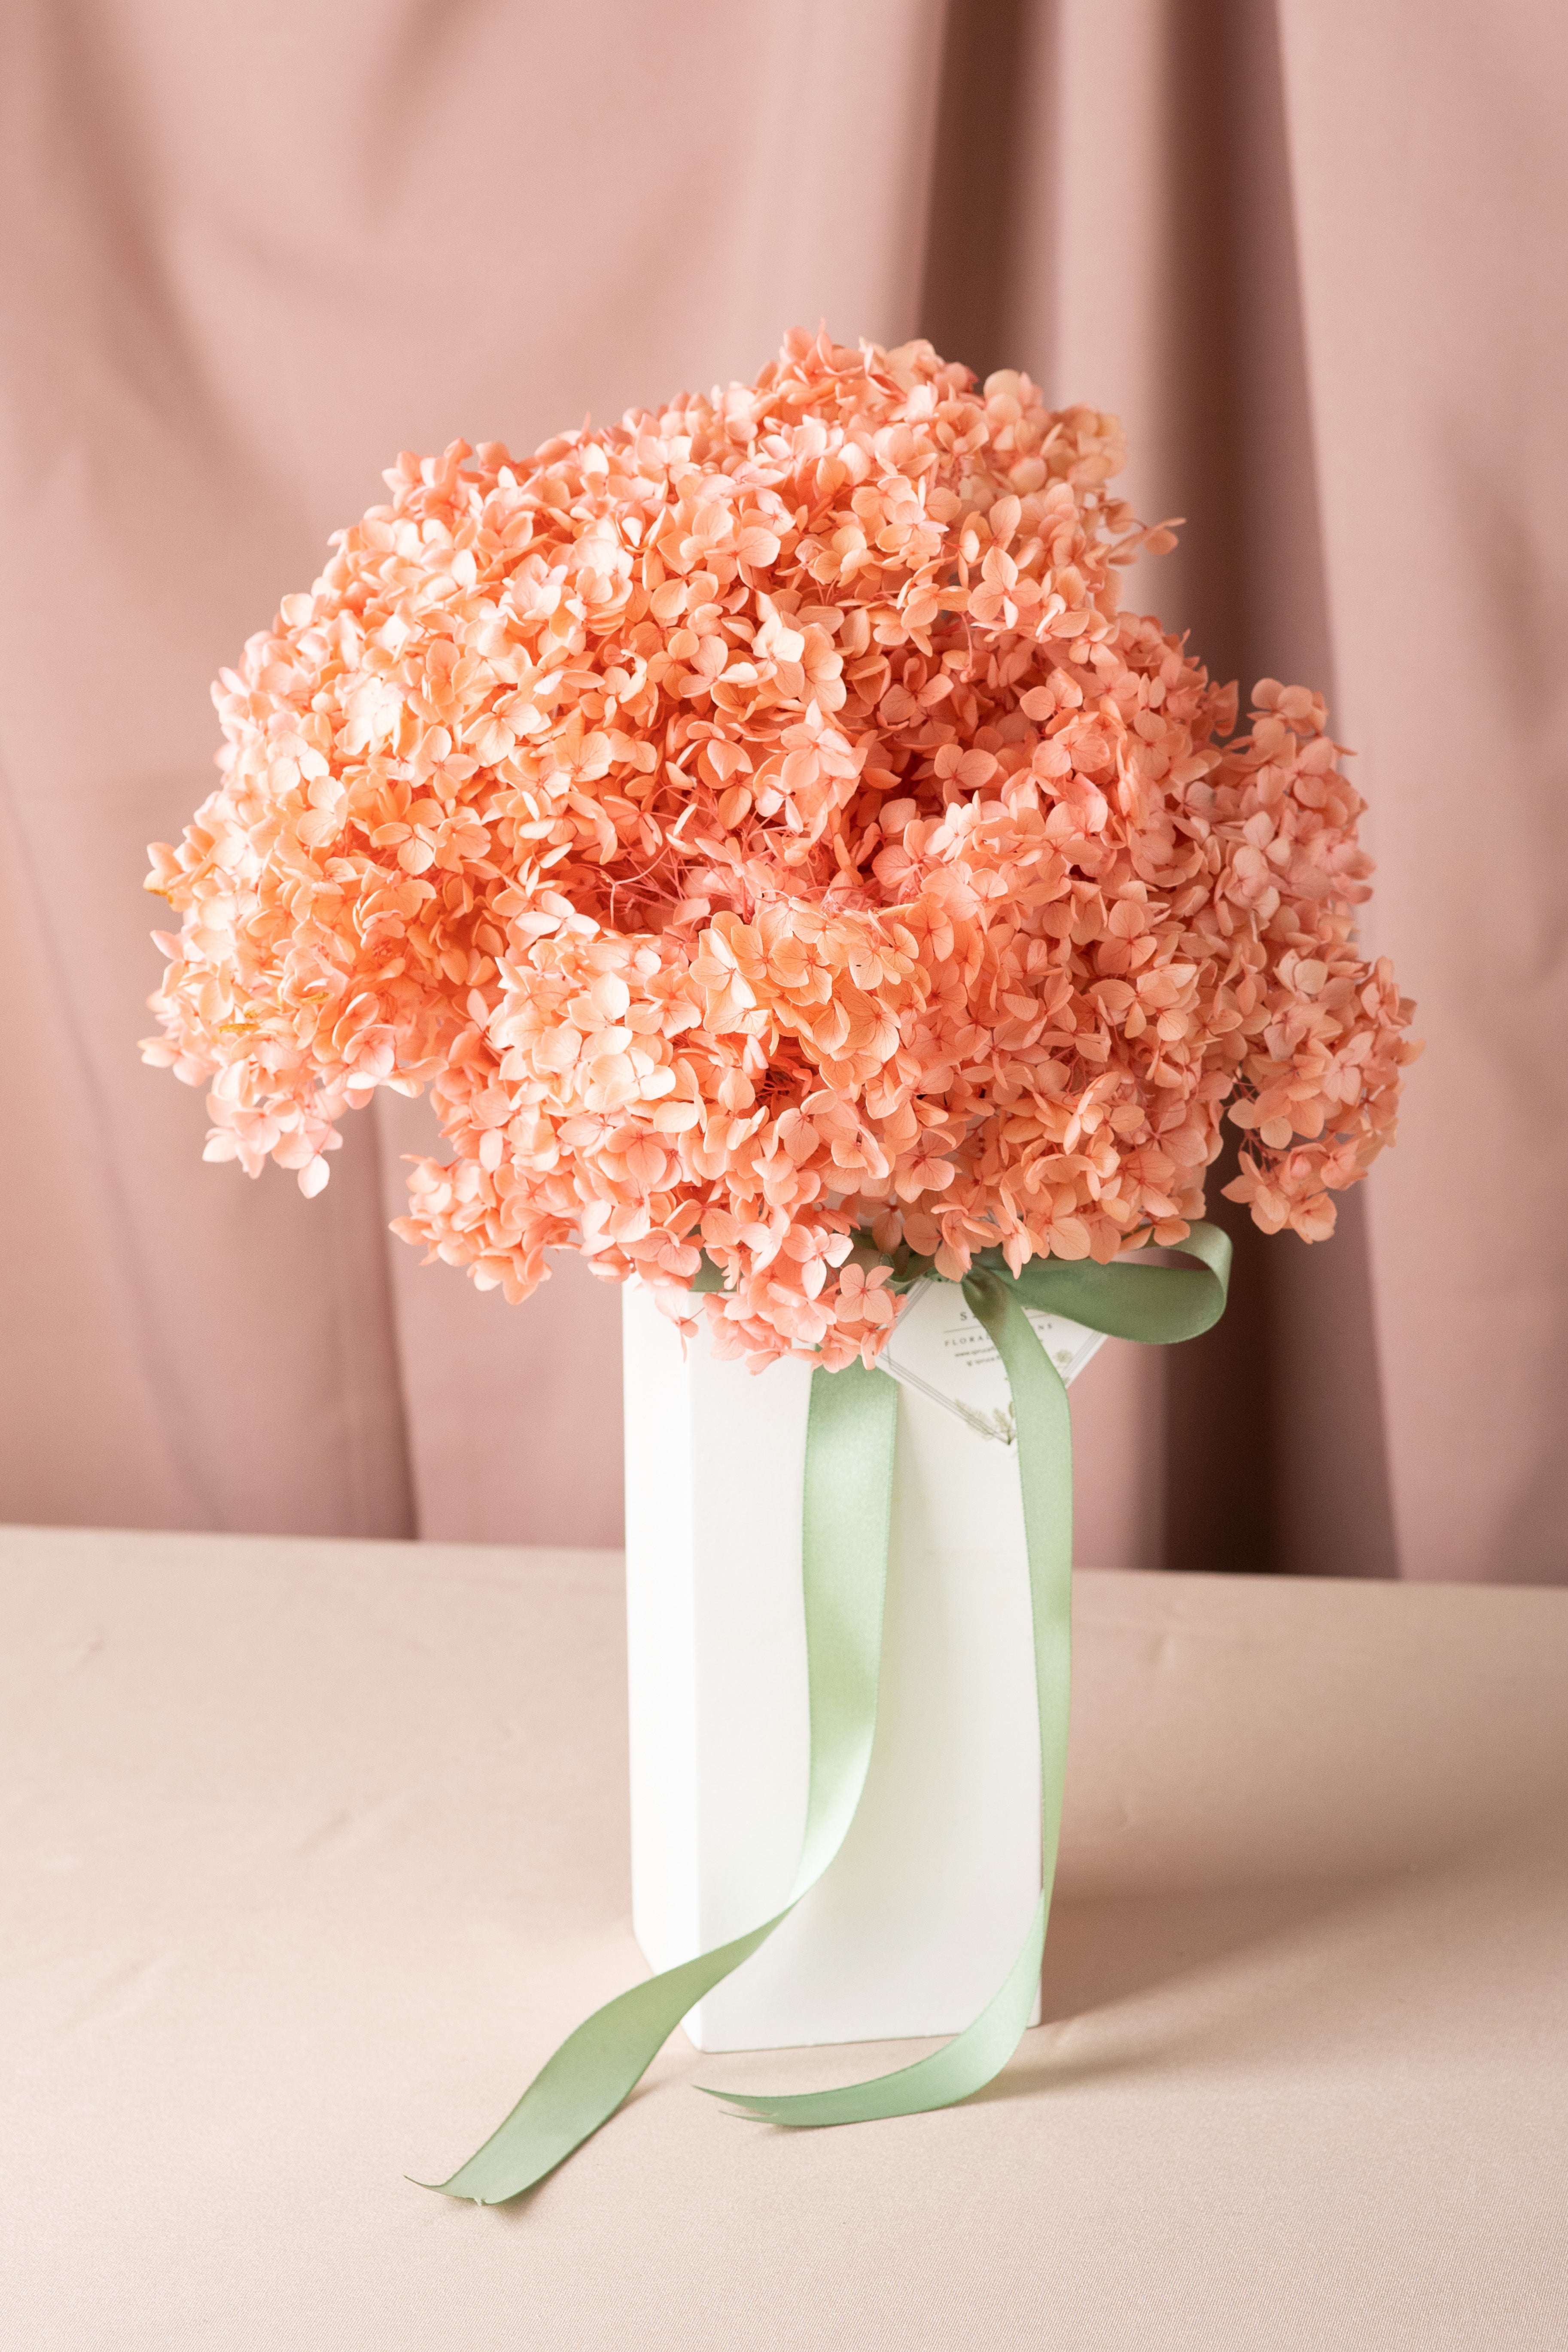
764 832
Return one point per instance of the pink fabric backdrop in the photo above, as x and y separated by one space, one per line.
1315 257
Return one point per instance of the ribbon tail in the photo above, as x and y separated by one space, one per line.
965 2065
589 2076
977 2055
846 1516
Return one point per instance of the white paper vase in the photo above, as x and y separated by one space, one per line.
924 1909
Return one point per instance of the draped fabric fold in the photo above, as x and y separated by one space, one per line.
1311 265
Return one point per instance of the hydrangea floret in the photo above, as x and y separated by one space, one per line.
762 829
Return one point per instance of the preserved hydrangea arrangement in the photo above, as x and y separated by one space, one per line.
764 832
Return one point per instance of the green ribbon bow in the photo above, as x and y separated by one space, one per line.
846 1516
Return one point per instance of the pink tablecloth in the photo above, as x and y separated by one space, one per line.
315 1849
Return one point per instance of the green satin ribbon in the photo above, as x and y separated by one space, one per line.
846 1512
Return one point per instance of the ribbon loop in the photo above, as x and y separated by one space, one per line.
1158 1305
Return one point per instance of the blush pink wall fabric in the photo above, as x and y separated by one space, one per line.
1315 262
1433 194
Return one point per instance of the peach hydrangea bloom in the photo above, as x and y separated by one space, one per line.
762 829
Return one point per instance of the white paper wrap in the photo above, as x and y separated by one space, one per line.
919 1919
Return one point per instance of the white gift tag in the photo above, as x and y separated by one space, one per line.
941 1348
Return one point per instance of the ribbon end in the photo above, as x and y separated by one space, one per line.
445 2188
794 2110
734 2098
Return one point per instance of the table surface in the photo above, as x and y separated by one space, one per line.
315 1850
